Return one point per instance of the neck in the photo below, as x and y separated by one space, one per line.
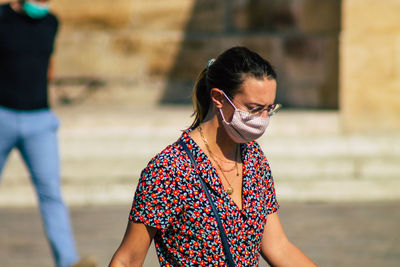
217 138
16 6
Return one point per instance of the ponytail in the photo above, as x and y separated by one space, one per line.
201 98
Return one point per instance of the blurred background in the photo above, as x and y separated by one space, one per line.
124 71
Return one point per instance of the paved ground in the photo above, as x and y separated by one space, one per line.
333 234
339 193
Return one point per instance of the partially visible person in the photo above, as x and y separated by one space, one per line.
234 98
27 34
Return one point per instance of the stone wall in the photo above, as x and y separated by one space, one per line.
370 66
299 37
173 39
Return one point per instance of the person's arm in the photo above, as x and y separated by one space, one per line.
134 246
277 250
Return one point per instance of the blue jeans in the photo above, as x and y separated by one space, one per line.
34 134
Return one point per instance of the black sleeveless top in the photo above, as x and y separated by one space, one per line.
25 48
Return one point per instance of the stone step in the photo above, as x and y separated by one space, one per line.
104 148
126 168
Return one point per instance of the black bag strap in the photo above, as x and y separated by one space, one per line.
223 236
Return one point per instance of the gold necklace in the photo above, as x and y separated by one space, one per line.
229 190
215 157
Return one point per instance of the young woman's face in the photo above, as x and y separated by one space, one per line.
254 94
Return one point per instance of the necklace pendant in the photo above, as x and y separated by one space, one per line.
229 190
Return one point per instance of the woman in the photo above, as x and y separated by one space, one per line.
233 100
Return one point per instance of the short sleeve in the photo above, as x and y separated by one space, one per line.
156 202
272 202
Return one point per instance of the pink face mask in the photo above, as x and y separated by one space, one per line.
244 127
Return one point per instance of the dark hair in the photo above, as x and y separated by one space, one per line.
227 73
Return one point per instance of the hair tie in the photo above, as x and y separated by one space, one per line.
210 62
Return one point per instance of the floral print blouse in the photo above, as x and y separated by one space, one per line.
170 198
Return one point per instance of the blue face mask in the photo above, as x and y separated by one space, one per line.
35 11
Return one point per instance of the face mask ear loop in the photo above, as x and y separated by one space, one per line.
229 100
222 115
220 110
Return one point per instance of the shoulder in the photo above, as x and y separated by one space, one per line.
52 20
3 9
165 164
4 6
255 150
171 153
256 156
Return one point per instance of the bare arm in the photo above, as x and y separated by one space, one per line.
134 246
277 250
